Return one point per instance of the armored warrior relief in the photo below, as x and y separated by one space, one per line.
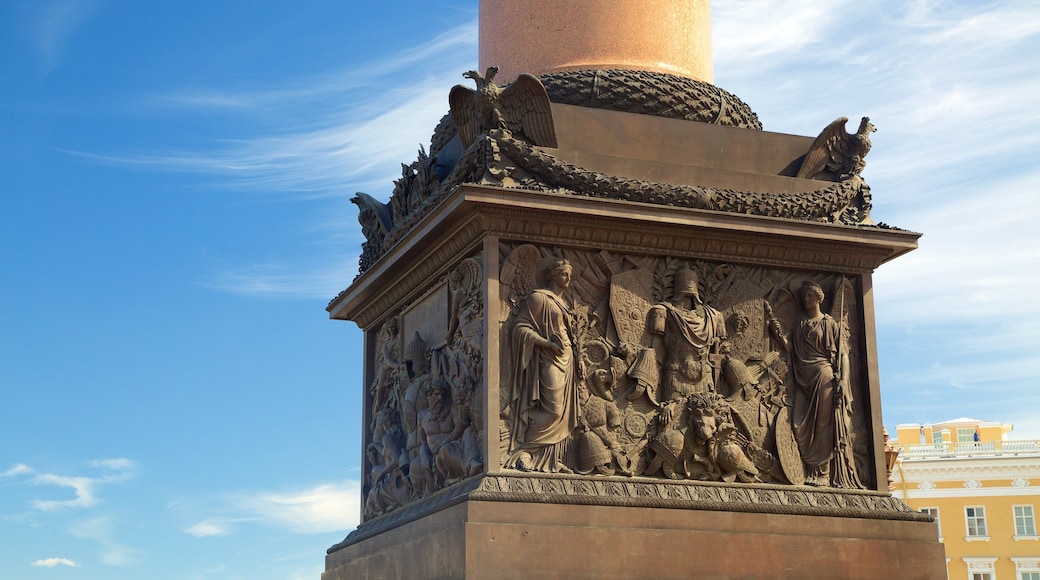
620 365
704 393
690 333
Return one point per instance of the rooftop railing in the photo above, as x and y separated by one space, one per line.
976 448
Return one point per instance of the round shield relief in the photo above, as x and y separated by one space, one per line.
787 449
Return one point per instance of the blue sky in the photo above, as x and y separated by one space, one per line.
175 217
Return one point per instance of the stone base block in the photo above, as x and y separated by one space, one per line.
490 539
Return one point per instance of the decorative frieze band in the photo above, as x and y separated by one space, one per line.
473 212
638 492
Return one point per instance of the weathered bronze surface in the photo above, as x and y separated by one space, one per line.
650 93
508 139
835 155
603 319
642 346
522 109
725 348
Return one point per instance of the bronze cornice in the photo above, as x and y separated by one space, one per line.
470 213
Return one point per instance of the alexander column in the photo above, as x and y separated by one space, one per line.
664 36
615 329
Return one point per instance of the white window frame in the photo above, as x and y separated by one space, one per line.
1030 518
934 511
978 509
979 566
1025 566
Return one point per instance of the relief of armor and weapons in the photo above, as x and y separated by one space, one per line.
681 369
627 366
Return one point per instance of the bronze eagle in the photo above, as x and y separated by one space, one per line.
836 155
521 108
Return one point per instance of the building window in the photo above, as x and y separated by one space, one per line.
937 438
1025 524
976 520
1027 568
980 568
934 512
965 435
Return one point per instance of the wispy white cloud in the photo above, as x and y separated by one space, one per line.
972 25
56 23
752 30
950 85
101 529
18 469
345 131
52 562
84 487
208 528
284 279
327 90
121 464
338 133
319 509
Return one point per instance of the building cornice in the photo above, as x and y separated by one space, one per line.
964 492
982 469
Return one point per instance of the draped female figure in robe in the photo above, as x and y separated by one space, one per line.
545 376
818 367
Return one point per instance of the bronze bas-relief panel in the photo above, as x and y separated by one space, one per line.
714 399
619 364
424 401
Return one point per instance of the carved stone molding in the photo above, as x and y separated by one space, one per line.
406 274
649 493
655 493
602 232
472 212
442 499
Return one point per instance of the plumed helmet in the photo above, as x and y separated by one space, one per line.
685 282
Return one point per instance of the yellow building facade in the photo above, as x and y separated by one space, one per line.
984 490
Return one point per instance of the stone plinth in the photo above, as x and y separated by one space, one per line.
485 534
